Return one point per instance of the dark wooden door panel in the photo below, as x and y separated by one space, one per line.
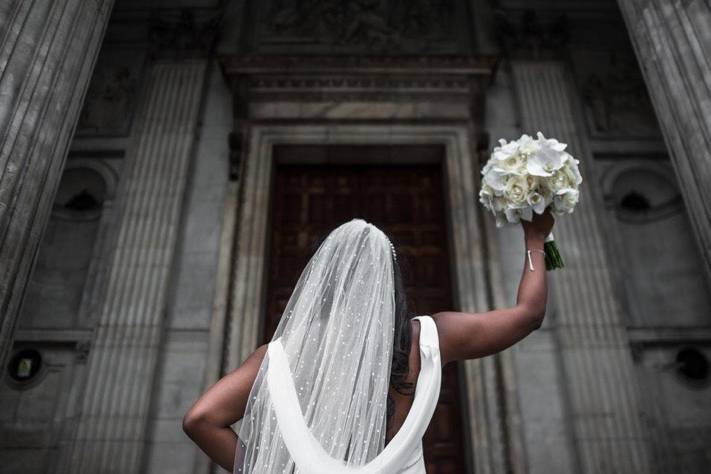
407 203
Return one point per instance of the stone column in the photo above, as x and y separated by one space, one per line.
594 351
672 40
47 55
111 428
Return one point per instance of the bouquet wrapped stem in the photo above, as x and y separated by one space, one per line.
552 255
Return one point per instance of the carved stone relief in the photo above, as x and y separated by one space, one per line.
182 33
525 34
360 26
111 99
614 95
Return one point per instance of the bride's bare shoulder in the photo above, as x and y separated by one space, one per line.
415 347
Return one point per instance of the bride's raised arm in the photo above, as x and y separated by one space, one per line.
473 335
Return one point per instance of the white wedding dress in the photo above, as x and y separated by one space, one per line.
318 404
402 455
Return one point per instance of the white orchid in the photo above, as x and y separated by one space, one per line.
496 179
527 145
549 157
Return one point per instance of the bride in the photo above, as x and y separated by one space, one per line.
349 380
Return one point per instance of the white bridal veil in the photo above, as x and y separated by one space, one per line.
330 361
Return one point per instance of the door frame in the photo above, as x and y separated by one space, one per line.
483 417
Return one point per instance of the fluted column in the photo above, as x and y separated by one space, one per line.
672 39
111 429
47 54
591 338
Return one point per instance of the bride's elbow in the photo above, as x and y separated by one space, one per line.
531 315
189 424
537 320
193 420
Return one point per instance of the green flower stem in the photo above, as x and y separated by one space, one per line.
552 254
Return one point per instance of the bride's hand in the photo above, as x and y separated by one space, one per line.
541 224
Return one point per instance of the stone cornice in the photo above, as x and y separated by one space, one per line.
354 78
483 65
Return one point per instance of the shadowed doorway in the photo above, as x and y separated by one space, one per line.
407 202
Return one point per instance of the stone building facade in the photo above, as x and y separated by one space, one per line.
166 164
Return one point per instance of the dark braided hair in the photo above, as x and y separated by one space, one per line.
402 338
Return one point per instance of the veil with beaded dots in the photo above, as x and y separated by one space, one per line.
324 379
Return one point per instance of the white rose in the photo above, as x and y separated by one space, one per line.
560 179
512 164
516 189
537 202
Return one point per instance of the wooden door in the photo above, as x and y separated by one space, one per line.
407 203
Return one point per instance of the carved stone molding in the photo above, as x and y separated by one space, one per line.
481 64
460 79
328 78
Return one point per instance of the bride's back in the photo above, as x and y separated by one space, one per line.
403 402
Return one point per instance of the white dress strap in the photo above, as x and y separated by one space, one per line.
428 332
307 452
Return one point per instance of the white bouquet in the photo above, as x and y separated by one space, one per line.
526 176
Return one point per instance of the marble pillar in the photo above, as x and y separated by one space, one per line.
110 434
47 55
591 339
672 39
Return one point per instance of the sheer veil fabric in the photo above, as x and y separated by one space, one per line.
330 358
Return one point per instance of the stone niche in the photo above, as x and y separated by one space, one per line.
58 294
657 258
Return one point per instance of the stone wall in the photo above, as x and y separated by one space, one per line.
642 304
